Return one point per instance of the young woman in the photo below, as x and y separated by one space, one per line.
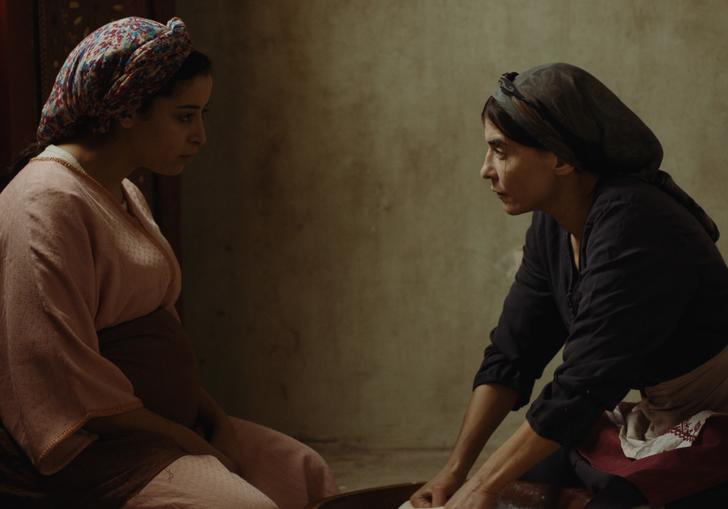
620 268
99 396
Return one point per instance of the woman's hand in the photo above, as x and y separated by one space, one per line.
438 490
224 439
142 419
219 431
226 461
520 452
472 496
488 405
474 500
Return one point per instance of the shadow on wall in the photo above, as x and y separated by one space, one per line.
344 262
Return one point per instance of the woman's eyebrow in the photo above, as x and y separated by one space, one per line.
190 107
496 142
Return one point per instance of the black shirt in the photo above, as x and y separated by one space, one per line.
648 303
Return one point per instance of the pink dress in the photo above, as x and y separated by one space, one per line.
74 262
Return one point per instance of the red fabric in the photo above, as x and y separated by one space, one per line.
667 476
157 357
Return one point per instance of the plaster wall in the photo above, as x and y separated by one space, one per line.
344 262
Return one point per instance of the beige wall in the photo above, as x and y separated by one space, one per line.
344 262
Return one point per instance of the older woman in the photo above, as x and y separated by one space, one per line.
620 268
100 400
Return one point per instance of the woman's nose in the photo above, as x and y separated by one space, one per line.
487 171
199 136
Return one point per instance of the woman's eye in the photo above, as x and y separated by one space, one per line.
186 118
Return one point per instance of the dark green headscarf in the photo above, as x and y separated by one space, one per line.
573 115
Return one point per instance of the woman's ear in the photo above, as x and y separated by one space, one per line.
563 168
128 120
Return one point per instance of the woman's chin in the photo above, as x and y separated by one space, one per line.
513 209
176 171
170 171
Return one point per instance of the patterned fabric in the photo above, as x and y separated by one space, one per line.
672 413
575 116
638 441
682 473
110 73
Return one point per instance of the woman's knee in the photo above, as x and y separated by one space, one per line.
313 459
199 482
258 504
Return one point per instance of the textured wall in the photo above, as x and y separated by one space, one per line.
344 262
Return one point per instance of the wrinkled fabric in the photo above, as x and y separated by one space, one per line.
694 477
649 278
104 475
199 482
638 440
672 401
74 262
672 413
575 116
156 355
274 467
110 73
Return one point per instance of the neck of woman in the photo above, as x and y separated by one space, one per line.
104 159
573 201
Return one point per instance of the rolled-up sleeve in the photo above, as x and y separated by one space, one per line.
530 330
54 378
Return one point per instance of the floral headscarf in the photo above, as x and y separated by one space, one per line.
110 73
575 116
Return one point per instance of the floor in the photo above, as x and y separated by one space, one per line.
358 468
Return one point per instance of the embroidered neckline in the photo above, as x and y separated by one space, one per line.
80 171
130 216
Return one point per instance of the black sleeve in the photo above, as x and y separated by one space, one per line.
530 330
636 282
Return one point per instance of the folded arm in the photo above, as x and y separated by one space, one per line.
142 419
218 427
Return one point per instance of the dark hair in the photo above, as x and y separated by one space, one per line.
196 64
505 124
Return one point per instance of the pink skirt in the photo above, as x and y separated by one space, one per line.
277 471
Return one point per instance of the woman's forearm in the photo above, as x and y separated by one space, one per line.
512 459
488 406
142 419
210 414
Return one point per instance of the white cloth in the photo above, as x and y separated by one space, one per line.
408 505
501 505
638 439
672 413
